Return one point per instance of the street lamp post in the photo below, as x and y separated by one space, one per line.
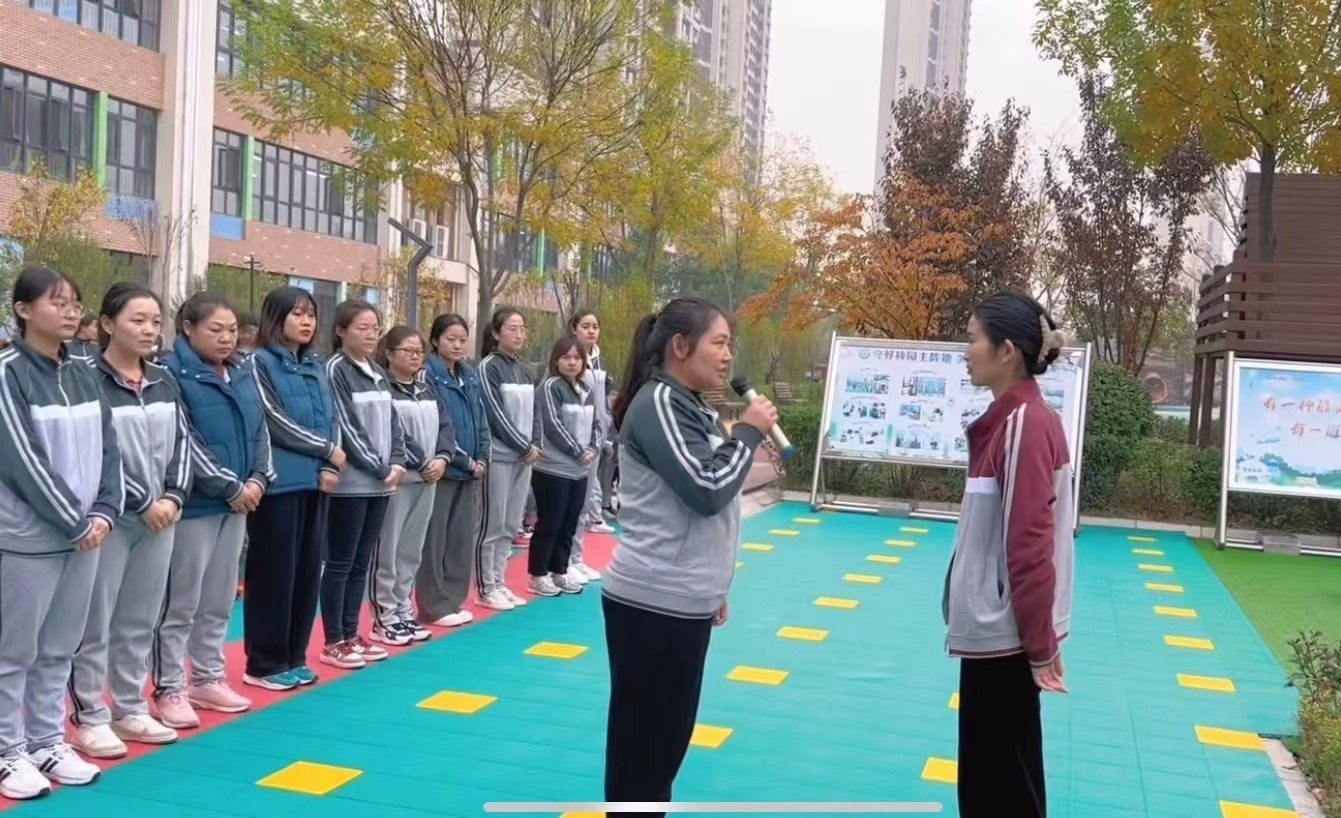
412 270
252 264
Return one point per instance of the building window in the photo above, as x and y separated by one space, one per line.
132 139
226 62
42 120
131 21
226 189
295 190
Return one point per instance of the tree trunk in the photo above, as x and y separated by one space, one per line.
1266 190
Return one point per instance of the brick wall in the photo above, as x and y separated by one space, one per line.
60 50
102 230
330 145
296 252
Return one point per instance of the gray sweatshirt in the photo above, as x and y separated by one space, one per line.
60 466
599 382
680 482
509 405
370 432
428 429
565 425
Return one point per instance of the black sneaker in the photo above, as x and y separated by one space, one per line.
414 630
391 635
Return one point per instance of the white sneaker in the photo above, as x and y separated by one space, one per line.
575 574
565 584
517 602
20 779
455 620
98 741
602 528
543 586
60 763
587 571
143 728
498 600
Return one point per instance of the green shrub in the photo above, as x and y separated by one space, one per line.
1317 674
1173 430
1120 414
801 423
1201 492
1154 479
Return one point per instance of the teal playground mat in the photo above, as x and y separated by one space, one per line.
829 683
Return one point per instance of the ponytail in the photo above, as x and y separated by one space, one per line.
488 341
686 317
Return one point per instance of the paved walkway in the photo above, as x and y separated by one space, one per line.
829 683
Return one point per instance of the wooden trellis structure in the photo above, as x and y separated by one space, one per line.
1288 308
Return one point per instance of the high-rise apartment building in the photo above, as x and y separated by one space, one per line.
132 91
926 47
729 39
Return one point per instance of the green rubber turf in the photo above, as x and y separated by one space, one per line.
856 719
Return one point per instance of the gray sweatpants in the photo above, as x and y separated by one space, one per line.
399 551
127 599
443 581
505 502
202 584
43 606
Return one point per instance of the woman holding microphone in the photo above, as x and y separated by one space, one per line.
666 585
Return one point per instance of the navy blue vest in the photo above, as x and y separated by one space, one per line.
304 396
465 402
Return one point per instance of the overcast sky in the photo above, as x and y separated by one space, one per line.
824 77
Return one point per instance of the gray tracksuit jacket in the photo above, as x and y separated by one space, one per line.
599 382
370 432
60 465
566 426
151 432
427 427
680 479
509 404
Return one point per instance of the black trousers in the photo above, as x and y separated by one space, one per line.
1000 740
656 676
558 505
355 526
282 575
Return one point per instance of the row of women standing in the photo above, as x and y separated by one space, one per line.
133 485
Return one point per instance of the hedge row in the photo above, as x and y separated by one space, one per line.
1135 464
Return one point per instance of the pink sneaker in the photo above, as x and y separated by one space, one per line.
218 696
175 710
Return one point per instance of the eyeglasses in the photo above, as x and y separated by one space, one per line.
413 353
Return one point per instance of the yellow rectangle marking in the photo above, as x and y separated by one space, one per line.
556 650
708 736
310 778
806 520
942 770
901 543
756 546
1152 568
1164 587
864 579
954 701
784 532
835 602
757 675
450 701
1234 739
1233 809
1138 538
1147 552
886 559
740 565
804 634
1192 642
909 529
1215 684
1181 613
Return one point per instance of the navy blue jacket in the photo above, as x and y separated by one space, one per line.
464 400
298 410
230 443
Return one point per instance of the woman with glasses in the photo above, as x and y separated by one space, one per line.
429 447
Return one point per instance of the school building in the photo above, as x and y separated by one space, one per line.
132 89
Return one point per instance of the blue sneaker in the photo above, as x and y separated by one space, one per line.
275 681
303 674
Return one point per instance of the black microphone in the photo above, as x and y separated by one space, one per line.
746 391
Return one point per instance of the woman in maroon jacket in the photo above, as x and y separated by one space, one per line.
1007 599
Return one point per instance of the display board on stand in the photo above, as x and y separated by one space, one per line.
909 402
1282 432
